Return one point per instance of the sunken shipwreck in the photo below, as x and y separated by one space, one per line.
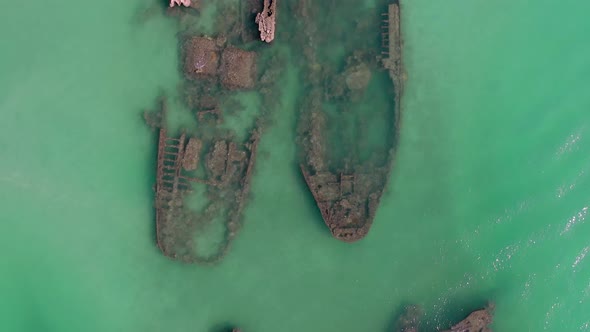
203 173
346 148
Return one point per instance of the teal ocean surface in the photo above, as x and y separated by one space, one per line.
487 201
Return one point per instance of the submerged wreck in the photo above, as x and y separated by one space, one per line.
204 168
225 167
391 38
266 20
477 321
186 3
347 191
203 179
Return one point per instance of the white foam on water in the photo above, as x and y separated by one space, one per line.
580 257
509 213
570 143
551 313
565 189
503 258
526 291
577 218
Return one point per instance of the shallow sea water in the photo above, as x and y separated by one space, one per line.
488 198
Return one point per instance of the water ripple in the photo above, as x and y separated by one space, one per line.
526 291
510 213
570 143
565 189
579 217
549 316
504 256
580 257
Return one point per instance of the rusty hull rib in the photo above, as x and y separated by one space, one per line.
168 180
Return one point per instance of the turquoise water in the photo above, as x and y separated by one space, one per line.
488 199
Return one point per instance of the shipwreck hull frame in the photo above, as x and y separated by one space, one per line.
335 212
170 192
347 233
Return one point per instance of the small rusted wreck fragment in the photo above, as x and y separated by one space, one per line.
186 3
477 321
266 20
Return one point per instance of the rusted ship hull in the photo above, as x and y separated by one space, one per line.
347 202
348 193
227 168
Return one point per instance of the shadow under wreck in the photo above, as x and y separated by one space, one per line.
350 116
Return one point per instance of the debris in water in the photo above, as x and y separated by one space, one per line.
266 20
186 3
477 321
